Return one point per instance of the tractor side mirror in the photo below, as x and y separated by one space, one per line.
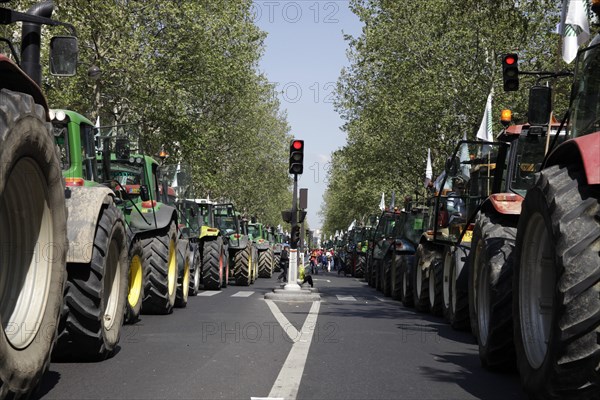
540 105
144 194
64 51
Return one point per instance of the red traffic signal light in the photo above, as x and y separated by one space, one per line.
296 157
510 72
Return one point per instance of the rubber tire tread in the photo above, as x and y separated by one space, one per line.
408 297
212 255
157 299
81 330
571 210
24 132
132 314
459 317
421 300
265 264
195 268
436 272
361 261
386 284
183 254
499 239
241 267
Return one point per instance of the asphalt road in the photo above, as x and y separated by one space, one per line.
232 345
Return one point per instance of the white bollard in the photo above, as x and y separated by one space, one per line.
293 271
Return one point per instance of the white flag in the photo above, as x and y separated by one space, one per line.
575 28
464 157
428 169
382 202
485 128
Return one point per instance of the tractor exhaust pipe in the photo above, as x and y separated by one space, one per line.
31 41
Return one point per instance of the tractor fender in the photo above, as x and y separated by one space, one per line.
262 246
84 205
164 215
235 244
13 78
584 150
503 203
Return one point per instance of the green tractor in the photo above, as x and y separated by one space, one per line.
214 271
260 237
33 232
97 259
152 224
278 241
243 265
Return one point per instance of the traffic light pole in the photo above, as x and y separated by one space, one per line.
292 283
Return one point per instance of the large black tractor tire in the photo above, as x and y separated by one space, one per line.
135 291
95 296
276 261
160 259
265 264
195 270
492 265
213 264
242 263
379 274
254 265
33 212
225 281
556 287
407 271
361 262
456 294
436 288
387 282
397 278
184 261
423 263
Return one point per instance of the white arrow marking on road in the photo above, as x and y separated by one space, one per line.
243 293
287 384
345 298
288 328
324 280
207 293
380 299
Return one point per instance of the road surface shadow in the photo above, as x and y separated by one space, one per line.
475 379
48 382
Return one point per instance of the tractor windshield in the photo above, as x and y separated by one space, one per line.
530 154
586 91
253 230
225 223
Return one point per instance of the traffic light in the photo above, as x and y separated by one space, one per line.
295 236
296 157
510 72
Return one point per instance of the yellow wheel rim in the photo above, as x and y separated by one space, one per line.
172 267
186 279
135 281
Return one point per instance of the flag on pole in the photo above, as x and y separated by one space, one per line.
485 128
574 27
97 122
352 225
464 157
428 169
382 202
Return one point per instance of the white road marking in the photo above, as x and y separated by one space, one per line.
380 299
345 298
266 398
207 293
287 327
325 280
287 384
243 293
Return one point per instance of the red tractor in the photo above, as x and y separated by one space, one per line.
556 273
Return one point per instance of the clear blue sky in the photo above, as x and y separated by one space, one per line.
305 52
